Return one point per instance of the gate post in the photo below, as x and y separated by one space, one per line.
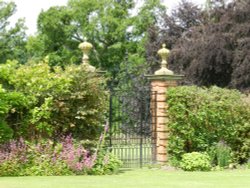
160 82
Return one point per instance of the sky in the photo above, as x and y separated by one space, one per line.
30 9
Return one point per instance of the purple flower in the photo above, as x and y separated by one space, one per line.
101 138
75 156
106 127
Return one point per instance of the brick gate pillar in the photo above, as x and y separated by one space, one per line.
160 82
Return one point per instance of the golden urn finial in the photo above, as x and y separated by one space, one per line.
164 52
86 47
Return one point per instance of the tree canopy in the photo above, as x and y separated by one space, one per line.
110 26
211 46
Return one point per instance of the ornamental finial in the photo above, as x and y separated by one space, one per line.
86 47
163 53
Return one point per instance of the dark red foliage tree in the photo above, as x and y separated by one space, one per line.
214 48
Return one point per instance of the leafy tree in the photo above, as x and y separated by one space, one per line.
12 41
55 37
111 26
105 25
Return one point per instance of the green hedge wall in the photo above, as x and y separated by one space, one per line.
200 118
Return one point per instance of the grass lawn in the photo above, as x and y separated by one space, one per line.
144 178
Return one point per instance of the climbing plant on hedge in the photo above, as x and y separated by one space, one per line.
199 118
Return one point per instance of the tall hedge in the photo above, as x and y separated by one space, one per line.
199 118
43 102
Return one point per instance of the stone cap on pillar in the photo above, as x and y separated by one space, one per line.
165 77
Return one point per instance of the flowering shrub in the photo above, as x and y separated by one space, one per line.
20 158
77 158
12 157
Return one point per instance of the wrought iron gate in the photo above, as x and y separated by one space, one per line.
132 133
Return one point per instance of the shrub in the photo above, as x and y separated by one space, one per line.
199 118
195 161
51 102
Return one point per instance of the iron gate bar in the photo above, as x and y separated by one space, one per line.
141 136
110 118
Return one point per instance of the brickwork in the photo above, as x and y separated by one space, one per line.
159 111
